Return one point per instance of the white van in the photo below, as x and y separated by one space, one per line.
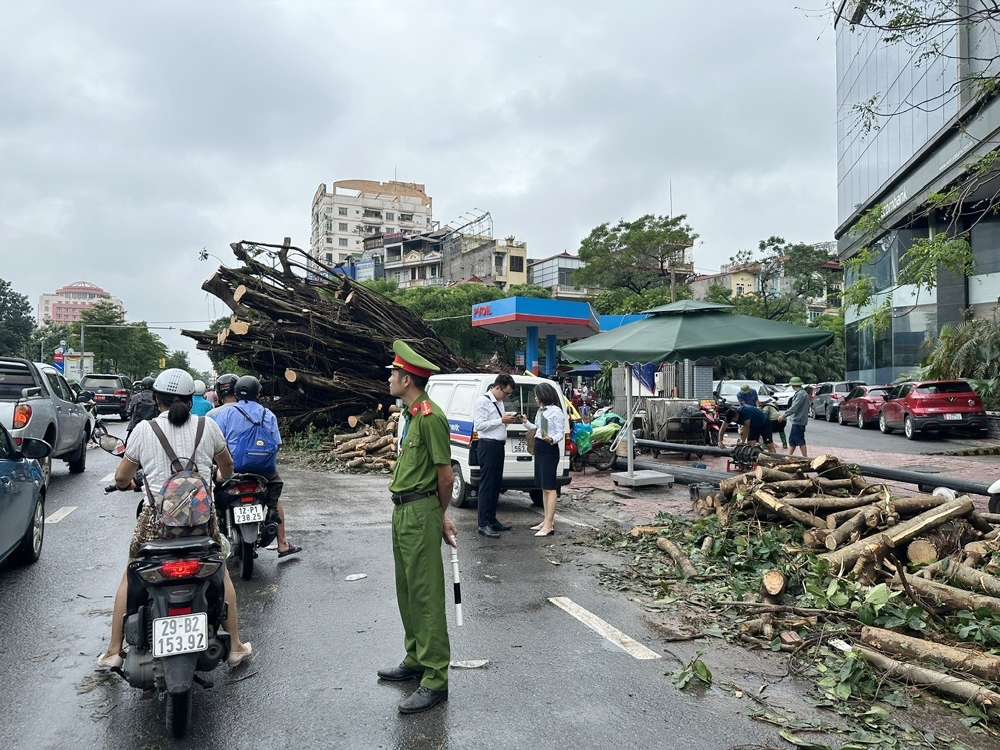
457 395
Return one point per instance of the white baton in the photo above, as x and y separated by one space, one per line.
458 584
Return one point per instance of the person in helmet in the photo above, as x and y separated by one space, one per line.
142 405
173 390
199 404
225 393
237 414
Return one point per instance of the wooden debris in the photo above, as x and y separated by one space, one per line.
679 558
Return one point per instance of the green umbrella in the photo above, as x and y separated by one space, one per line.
692 330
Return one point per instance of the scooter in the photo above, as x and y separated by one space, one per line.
99 429
600 454
241 502
173 618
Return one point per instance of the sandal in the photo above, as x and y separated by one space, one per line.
292 550
237 657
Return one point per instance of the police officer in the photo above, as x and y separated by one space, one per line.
421 489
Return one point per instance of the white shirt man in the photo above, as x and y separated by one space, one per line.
490 423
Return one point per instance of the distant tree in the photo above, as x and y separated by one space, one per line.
16 321
180 360
46 339
626 302
719 294
636 255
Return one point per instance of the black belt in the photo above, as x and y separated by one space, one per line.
409 497
491 440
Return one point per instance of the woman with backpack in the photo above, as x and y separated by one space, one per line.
202 441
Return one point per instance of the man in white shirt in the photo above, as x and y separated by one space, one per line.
490 423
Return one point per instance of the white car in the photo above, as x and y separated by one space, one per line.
783 398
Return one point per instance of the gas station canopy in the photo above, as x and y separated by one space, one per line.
513 316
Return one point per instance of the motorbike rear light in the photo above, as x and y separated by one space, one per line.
180 568
244 488
22 415
247 499
173 611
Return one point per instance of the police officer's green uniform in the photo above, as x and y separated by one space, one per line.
417 529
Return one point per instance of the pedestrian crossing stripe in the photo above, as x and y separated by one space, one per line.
602 628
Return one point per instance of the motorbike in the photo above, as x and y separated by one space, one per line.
173 617
714 422
98 429
994 490
246 518
594 449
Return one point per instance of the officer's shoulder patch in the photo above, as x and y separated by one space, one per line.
426 408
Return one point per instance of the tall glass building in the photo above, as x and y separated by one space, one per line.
936 125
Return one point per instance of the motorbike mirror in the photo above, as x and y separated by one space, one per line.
85 396
111 444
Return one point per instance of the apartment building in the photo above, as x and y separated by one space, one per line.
353 210
555 273
66 303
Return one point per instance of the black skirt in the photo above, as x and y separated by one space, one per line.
546 465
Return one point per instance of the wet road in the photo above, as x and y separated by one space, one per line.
551 680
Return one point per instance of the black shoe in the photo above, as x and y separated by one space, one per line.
488 531
422 699
500 526
401 673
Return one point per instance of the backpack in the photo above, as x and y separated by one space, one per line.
145 407
255 451
183 506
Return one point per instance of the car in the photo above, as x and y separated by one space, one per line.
783 397
939 405
22 498
111 392
826 399
727 390
861 406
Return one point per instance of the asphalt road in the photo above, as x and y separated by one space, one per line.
551 681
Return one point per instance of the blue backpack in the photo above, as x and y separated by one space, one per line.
255 451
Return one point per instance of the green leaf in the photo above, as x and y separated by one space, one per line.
843 690
704 673
878 597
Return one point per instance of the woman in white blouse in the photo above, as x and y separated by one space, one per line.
550 423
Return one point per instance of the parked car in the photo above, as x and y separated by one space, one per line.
861 406
783 397
37 402
726 391
940 405
22 497
826 400
111 392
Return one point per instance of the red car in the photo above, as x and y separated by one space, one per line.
862 404
939 405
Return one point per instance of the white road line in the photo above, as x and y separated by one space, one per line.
60 514
108 478
610 632
571 522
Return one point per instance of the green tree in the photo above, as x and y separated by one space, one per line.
179 360
45 339
16 322
636 255
627 302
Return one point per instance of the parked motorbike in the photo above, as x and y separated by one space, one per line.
245 518
994 490
594 449
173 618
713 421
99 429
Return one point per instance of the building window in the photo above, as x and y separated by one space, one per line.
342 227
341 210
740 290
342 242
406 217
329 226
329 240
329 257
516 264
390 216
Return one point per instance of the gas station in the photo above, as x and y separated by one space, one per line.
532 318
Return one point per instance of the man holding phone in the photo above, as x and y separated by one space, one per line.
490 423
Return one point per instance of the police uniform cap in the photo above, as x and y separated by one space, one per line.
411 362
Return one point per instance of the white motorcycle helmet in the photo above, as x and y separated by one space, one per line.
174 382
199 387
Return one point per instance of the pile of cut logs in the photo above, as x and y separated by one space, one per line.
868 535
370 446
318 340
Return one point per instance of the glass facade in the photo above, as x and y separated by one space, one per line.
919 95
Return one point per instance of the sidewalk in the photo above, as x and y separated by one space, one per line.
596 491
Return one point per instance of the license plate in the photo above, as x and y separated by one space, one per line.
953 416
98 397
183 634
248 513
520 445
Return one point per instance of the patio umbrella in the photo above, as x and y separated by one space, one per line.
691 330
688 330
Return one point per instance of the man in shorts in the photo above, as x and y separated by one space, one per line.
754 425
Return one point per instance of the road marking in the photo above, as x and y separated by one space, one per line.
610 632
60 514
108 478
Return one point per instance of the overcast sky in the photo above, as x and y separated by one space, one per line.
132 135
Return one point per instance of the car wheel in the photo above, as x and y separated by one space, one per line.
30 548
861 420
908 429
78 464
829 412
840 417
883 427
460 489
812 411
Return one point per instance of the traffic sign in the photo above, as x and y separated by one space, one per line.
57 359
